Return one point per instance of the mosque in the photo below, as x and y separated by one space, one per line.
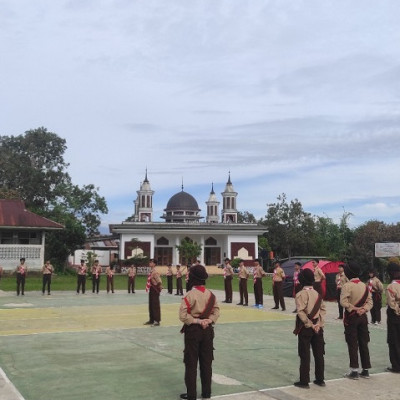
220 236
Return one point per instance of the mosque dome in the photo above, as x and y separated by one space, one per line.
182 207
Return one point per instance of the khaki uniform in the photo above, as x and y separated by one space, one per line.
131 279
47 271
82 269
393 323
22 271
258 274
228 276
340 279
306 300
243 276
110 279
319 276
277 288
356 326
154 296
169 280
198 340
179 287
376 288
96 272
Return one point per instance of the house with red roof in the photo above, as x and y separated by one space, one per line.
22 234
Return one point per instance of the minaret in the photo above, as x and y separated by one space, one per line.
229 211
144 202
212 207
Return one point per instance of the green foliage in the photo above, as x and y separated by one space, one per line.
246 217
189 250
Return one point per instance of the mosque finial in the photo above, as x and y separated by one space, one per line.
229 179
182 183
145 178
212 188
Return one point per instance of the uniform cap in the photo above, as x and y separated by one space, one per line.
198 273
306 277
352 270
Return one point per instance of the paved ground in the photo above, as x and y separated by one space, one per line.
95 347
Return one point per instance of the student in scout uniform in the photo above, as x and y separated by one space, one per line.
228 276
376 289
243 276
309 329
82 269
341 279
22 271
179 287
110 278
319 276
356 300
393 317
47 271
198 311
277 286
258 274
131 278
96 272
169 278
154 287
296 282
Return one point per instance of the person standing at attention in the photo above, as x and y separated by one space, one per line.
131 278
296 282
22 271
228 276
258 274
309 329
199 311
179 287
96 272
47 271
243 276
319 276
110 278
82 269
341 279
277 286
154 287
375 287
169 278
356 300
393 317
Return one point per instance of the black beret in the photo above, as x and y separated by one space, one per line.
352 270
393 270
306 277
198 272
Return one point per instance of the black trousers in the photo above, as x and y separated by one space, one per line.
258 291
277 290
46 282
20 283
357 339
338 292
198 349
244 295
131 284
318 287
179 289
154 305
81 283
393 338
308 338
228 288
110 284
95 284
376 307
169 284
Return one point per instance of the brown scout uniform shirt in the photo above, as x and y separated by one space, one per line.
376 284
258 272
341 279
197 301
155 279
393 296
132 272
278 275
228 270
243 273
82 269
305 302
318 274
109 272
47 269
352 292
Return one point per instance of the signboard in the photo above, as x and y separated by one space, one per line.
387 249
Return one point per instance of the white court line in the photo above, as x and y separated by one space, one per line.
11 388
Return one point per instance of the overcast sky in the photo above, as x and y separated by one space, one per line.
295 97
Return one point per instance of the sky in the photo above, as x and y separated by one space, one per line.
296 97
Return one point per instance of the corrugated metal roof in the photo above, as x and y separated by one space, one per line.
13 214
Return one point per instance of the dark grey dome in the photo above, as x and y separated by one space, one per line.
182 201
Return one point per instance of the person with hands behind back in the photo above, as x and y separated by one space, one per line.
198 311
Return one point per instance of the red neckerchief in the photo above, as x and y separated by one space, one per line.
355 280
201 288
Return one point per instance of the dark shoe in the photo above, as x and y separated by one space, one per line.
239 304
294 311
155 323
148 323
319 383
223 301
275 308
245 305
364 374
302 385
184 396
283 309
352 375
394 371
205 396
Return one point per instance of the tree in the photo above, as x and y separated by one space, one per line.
290 230
32 168
188 250
246 218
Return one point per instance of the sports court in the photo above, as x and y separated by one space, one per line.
68 346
